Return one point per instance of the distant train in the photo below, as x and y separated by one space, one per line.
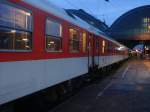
41 45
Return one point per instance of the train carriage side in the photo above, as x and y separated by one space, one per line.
110 52
38 53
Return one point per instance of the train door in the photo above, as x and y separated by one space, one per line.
97 51
91 62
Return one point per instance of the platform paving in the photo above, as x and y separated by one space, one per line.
128 90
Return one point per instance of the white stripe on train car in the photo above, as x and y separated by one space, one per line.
21 78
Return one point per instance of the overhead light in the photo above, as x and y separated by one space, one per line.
13 31
136 50
120 48
28 14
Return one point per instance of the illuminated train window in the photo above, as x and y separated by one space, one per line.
84 42
15 29
103 46
74 42
53 36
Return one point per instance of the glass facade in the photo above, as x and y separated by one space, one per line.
146 25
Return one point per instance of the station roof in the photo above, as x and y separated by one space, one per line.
133 25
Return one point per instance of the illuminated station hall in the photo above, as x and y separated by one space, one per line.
74 56
134 33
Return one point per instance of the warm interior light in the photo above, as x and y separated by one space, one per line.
25 39
103 43
51 42
147 49
149 27
27 46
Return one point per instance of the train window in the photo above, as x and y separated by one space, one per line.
15 28
110 47
6 39
97 43
74 43
15 18
103 46
84 42
53 36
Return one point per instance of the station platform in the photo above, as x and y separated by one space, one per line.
128 90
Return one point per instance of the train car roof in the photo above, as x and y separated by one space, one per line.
61 13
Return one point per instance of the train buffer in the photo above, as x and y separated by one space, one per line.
128 90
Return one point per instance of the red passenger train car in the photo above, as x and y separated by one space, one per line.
41 45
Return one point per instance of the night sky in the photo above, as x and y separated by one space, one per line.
106 11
